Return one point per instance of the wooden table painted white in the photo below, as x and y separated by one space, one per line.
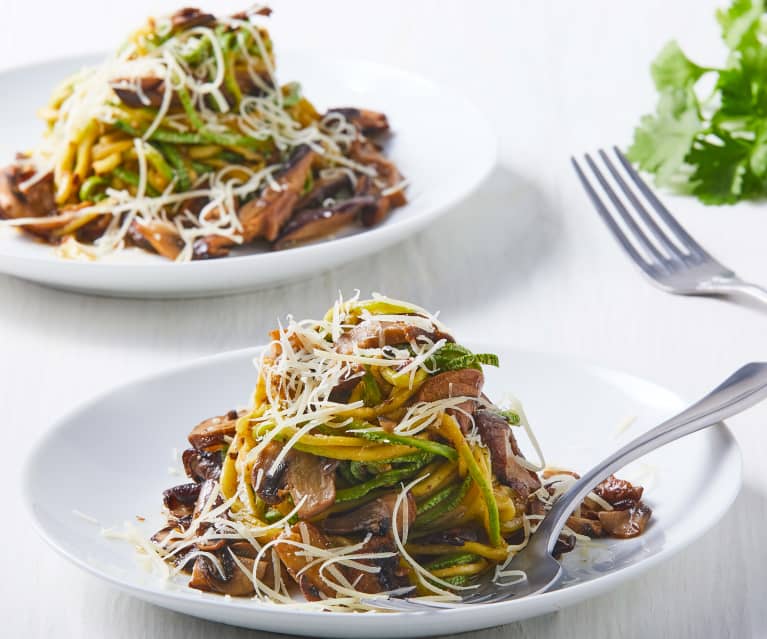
525 261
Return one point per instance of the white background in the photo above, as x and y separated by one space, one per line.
525 261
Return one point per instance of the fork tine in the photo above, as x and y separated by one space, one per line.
670 247
638 233
609 221
682 235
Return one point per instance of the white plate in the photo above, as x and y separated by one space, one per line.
441 143
109 459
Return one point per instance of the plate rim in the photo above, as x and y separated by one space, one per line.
540 604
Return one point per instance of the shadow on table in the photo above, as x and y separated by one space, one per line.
685 597
485 248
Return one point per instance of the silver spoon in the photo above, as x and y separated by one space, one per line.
744 388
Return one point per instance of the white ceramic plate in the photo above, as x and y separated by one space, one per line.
441 143
109 460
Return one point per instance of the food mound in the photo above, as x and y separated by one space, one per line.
184 144
370 462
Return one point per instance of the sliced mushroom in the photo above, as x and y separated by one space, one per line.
265 215
322 190
212 434
228 580
18 200
313 223
309 479
373 333
180 500
367 121
625 524
375 517
497 435
142 92
390 574
365 152
619 493
189 17
295 560
584 526
465 382
266 479
372 215
342 391
162 238
200 465
311 482
207 489
565 543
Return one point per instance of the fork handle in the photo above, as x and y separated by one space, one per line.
744 388
739 287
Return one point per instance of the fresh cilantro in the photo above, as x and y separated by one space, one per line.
711 145
453 357
672 68
662 141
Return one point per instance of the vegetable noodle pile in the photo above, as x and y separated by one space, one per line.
369 464
184 144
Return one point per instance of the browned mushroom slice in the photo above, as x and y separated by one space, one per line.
367 121
200 465
295 559
163 238
212 434
322 190
377 334
253 11
497 435
208 488
465 382
18 200
189 17
211 247
619 493
313 223
311 482
141 92
565 543
229 579
390 574
367 153
266 479
180 500
265 215
343 390
309 479
375 517
584 526
625 524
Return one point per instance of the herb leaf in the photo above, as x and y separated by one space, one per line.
453 357
714 148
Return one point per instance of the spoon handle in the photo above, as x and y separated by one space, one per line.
744 388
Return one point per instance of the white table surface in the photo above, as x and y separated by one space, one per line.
525 261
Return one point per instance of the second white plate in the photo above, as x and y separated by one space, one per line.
109 459
441 143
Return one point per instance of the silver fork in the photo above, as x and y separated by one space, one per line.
744 388
671 258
